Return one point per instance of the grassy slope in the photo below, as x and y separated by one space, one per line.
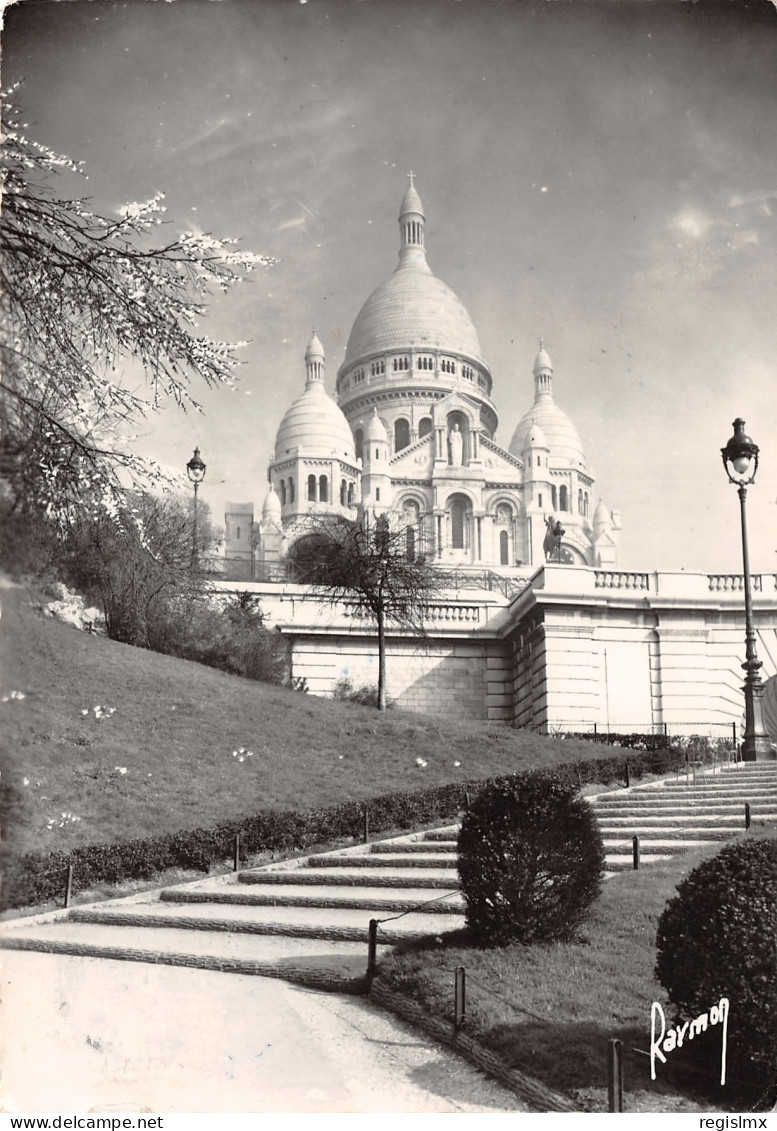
550 1010
174 729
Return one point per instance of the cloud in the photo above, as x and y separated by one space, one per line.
692 222
762 196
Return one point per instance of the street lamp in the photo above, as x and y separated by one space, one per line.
740 459
195 469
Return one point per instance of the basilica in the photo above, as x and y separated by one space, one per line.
535 624
410 433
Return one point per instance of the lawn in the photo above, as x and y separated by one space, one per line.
550 1010
111 742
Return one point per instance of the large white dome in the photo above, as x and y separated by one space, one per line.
316 426
412 309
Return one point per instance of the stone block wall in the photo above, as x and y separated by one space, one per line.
458 679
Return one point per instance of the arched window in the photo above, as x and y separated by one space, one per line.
410 543
350 494
291 490
563 502
283 493
504 548
401 434
458 513
358 442
585 504
237 535
553 498
323 489
424 426
580 501
343 490
311 488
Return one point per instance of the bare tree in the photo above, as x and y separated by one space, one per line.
374 565
89 305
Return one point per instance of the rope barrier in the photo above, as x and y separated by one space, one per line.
417 907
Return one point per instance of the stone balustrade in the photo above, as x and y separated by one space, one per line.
620 579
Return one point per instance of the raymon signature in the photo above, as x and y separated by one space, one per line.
678 1034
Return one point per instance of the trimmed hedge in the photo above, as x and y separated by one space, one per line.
717 938
530 860
39 877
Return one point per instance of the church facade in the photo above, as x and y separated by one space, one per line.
411 433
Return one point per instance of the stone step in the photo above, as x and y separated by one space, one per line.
765 808
313 962
743 793
430 860
660 844
679 820
371 899
446 879
411 847
656 832
336 924
663 801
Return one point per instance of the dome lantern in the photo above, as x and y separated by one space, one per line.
412 252
543 373
314 361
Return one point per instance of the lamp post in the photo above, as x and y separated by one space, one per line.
740 456
195 469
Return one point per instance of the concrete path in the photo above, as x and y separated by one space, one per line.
100 1034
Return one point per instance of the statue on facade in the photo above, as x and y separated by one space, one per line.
555 532
456 446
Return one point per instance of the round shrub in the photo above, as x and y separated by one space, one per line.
530 860
718 938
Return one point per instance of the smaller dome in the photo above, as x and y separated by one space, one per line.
602 515
535 437
271 507
375 429
561 436
315 426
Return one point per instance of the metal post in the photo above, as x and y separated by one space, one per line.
237 852
194 528
755 741
372 950
366 833
459 1001
635 852
615 1075
747 815
628 779
69 885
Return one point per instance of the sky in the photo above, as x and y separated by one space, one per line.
600 174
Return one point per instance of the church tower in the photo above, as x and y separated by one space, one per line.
314 468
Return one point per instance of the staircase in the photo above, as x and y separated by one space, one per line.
694 808
308 920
